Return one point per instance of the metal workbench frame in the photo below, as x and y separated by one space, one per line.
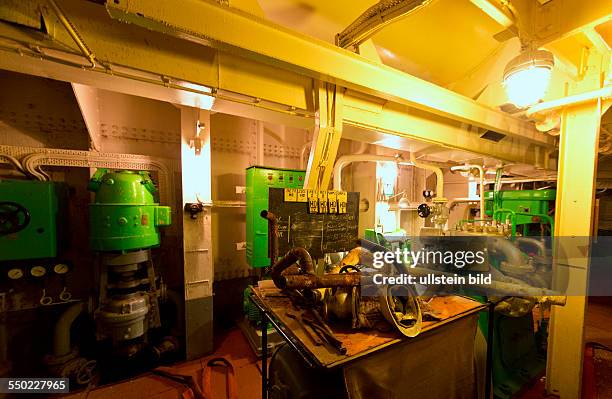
311 361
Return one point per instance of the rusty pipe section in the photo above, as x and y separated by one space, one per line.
272 235
311 281
292 256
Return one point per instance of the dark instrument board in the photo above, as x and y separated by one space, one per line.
319 233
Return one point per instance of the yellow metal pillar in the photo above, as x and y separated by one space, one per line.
326 139
576 183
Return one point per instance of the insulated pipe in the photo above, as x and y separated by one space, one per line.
481 176
514 256
452 203
436 170
375 18
576 99
15 162
89 159
61 334
347 159
292 256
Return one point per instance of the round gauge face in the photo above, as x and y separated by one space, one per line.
61 268
15 274
38 271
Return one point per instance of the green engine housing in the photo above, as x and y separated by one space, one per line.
124 215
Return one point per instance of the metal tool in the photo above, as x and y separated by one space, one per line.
312 335
320 327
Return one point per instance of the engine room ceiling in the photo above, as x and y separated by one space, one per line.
441 42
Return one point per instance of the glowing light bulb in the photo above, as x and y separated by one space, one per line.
387 172
527 87
527 76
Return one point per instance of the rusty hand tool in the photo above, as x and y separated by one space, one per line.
311 335
326 333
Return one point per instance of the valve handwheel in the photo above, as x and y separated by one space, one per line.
14 217
423 210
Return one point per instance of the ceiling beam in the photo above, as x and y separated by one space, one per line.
147 63
260 40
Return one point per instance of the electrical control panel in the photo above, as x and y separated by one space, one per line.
258 181
32 219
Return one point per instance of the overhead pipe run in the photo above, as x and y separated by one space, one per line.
481 176
374 19
31 163
577 99
439 176
347 159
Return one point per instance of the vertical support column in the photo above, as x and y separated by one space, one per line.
326 138
197 246
573 225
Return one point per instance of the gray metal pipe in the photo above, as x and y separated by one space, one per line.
61 335
513 255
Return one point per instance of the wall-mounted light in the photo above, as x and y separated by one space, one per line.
403 203
387 173
527 77
196 143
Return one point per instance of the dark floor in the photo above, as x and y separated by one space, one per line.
597 374
234 347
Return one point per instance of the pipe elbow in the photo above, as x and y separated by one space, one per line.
61 336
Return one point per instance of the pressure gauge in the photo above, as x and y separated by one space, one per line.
38 271
15 274
61 268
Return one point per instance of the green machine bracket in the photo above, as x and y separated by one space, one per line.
124 215
258 181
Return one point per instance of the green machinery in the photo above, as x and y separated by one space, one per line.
32 219
124 215
524 209
519 355
391 240
258 181
124 222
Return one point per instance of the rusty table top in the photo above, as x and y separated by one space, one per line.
360 342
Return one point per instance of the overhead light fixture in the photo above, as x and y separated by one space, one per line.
527 76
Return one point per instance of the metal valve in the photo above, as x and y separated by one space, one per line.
423 210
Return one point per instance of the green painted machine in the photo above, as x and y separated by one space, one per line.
519 353
258 181
124 222
393 240
32 219
125 215
526 210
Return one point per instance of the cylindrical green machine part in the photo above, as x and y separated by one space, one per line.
124 215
